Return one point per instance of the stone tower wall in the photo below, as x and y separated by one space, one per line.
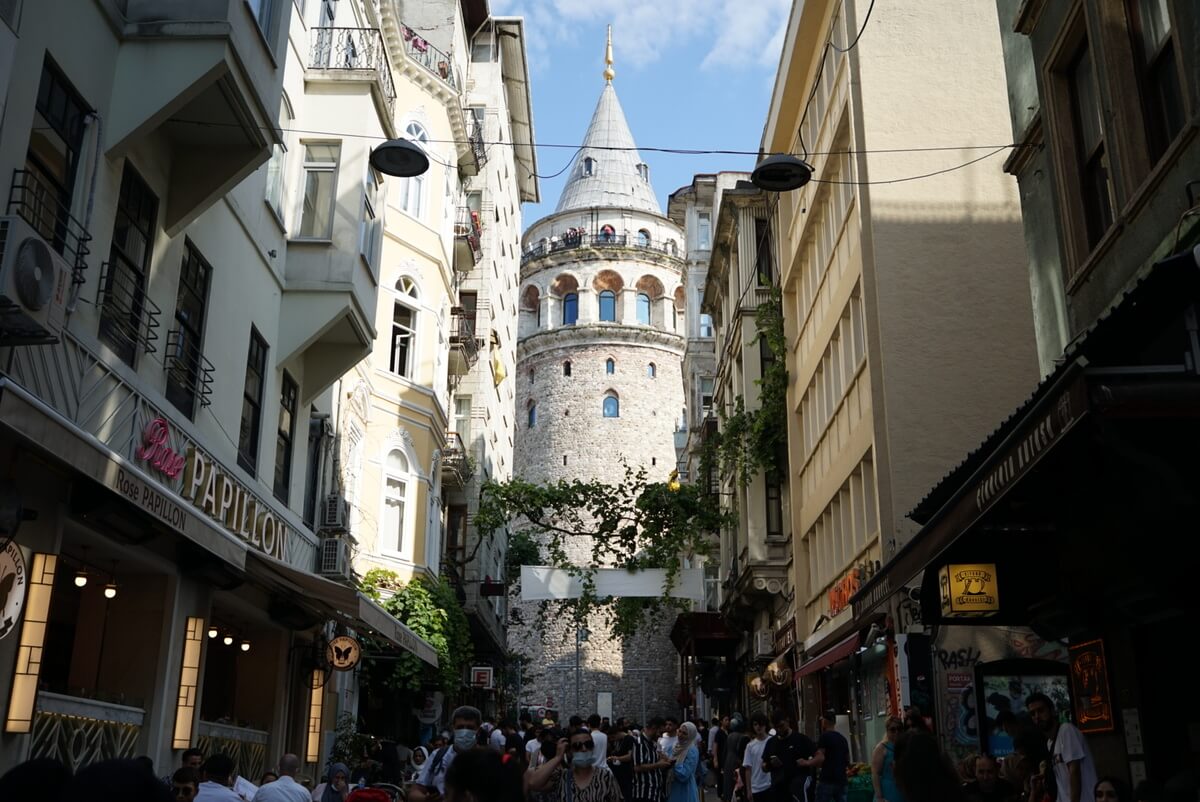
570 424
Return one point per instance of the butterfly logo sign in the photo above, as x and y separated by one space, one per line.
343 653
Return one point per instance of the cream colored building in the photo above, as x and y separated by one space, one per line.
907 325
185 273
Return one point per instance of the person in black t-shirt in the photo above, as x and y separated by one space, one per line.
783 756
832 759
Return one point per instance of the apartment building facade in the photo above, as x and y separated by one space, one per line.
185 276
895 295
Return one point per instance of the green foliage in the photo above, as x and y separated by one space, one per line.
349 745
636 524
522 550
755 441
431 609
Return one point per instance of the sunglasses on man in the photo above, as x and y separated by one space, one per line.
583 746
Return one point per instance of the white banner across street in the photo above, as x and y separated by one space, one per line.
542 583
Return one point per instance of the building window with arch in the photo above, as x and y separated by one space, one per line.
567 368
404 328
644 171
589 166
651 370
610 367
395 500
608 306
643 238
532 414
672 248
607 233
412 189
643 309
612 405
570 309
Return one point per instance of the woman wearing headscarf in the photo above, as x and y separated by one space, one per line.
336 788
684 760
416 761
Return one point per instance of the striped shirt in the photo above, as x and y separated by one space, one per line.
648 786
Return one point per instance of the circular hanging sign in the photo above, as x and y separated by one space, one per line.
12 587
343 653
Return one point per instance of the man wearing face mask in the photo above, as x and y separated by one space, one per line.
431 783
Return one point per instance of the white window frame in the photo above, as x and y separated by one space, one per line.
703 231
370 226
391 543
276 189
333 168
407 294
412 189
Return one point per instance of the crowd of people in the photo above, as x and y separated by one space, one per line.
598 760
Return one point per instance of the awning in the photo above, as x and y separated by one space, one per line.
1131 363
338 602
843 649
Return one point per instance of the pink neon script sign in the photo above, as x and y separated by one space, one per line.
155 449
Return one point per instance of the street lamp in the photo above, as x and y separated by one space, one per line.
400 158
581 635
781 172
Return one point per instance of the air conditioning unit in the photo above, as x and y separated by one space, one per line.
335 513
34 282
333 558
764 643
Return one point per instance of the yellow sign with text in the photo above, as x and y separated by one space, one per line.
969 591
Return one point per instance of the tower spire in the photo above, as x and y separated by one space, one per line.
608 59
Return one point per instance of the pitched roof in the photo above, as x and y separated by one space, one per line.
614 179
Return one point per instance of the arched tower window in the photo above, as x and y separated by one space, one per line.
607 233
396 478
589 166
612 405
644 171
608 305
570 309
567 368
532 414
610 367
651 370
643 309
643 238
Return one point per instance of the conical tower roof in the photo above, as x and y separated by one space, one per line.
613 177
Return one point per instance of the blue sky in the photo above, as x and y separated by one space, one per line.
692 74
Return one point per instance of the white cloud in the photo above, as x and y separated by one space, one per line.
732 32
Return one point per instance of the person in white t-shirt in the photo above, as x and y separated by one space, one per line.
285 788
753 775
669 738
600 751
1074 769
218 779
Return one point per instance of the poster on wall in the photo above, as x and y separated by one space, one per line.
1001 689
1089 685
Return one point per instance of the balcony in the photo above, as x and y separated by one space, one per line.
189 373
464 348
756 580
756 298
433 60
353 55
457 465
37 204
201 82
476 138
577 239
468 239
128 318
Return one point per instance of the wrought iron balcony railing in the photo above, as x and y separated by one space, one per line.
467 226
353 49
455 460
428 56
128 318
462 334
577 239
189 373
39 204
475 135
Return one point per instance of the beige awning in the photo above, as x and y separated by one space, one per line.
339 602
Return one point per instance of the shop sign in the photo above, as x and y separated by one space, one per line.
481 676
1089 687
12 587
222 498
842 591
156 450
785 637
343 653
969 591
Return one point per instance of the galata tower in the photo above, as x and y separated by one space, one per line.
599 359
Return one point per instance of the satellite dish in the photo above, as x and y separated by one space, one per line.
33 274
